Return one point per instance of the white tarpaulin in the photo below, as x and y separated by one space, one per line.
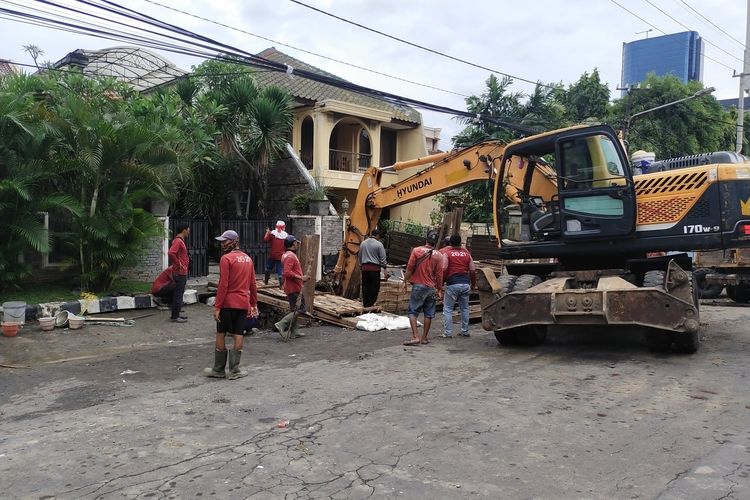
372 322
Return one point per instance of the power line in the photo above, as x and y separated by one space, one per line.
421 47
336 82
687 28
664 32
243 57
719 28
276 42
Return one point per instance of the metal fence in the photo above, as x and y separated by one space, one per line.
251 238
198 244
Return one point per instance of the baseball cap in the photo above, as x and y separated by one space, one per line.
289 240
280 223
228 235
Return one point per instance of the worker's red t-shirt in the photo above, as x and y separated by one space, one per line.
237 288
457 265
162 280
428 271
178 256
292 272
277 244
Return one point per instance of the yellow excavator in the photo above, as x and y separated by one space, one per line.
581 205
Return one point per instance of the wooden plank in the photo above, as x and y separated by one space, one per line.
308 252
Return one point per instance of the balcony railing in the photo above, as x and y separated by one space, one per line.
348 161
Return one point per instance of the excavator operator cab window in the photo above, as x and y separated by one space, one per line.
577 170
591 162
596 198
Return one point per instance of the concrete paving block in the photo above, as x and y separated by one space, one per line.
124 303
143 302
73 307
108 304
32 312
49 309
90 306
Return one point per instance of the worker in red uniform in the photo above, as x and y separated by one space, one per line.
293 281
180 261
275 240
460 278
425 272
163 287
236 296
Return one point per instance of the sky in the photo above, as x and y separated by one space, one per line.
538 40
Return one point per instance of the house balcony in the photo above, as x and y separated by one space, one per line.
348 161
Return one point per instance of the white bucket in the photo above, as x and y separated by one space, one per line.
14 312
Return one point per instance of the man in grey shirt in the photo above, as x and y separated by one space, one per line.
371 261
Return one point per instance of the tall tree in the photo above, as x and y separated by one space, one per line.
587 99
695 126
120 161
495 102
252 126
34 52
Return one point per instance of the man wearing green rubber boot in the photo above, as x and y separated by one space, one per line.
236 295
293 280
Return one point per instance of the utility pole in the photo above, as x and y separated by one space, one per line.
743 84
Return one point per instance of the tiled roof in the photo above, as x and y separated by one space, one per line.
309 90
7 67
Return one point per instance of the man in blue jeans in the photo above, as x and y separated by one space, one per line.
425 272
460 276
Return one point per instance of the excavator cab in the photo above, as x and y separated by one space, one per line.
568 187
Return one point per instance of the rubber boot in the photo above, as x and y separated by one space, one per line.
294 329
234 365
267 277
220 361
283 326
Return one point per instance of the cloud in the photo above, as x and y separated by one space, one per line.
547 40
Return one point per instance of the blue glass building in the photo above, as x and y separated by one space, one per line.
680 54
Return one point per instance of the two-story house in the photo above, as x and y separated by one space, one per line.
338 133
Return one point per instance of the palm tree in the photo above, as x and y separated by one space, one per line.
120 160
34 52
270 122
24 180
252 134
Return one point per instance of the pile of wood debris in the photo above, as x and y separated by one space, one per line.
325 306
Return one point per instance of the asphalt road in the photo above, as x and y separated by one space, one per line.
591 414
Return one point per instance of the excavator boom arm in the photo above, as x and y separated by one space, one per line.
448 171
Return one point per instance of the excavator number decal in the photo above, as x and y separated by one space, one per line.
698 228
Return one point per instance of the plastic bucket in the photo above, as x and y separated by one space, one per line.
75 322
10 328
61 318
14 312
47 324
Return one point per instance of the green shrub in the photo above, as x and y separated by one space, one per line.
301 203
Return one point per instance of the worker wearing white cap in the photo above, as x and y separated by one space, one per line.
276 241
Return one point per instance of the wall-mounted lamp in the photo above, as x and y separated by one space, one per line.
345 205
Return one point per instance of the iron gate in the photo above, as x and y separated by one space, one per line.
197 244
251 238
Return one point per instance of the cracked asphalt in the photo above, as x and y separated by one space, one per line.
109 412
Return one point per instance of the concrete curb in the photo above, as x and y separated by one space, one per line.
100 305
